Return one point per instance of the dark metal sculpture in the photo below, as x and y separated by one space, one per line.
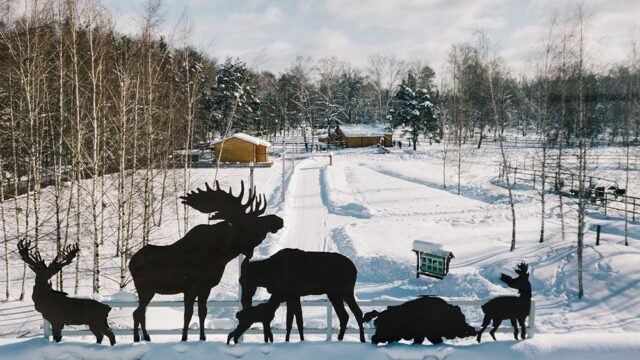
194 264
293 273
55 306
262 313
514 308
426 317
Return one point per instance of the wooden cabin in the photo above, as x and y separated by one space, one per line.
241 148
431 259
361 135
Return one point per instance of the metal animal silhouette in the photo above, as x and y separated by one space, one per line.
262 313
427 317
514 308
293 273
55 306
194 264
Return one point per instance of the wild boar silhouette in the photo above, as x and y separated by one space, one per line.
427 317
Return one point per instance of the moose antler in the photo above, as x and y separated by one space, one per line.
64 258
224 204
33 259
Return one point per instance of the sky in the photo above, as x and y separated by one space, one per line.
270 35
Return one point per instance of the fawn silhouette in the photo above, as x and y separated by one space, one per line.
514 308
194 264
262 313
55 306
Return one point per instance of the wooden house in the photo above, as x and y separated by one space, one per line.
431 259
241 148
361 135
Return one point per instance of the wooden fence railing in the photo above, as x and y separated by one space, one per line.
567 183
324 303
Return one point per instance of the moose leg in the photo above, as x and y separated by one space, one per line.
56 330
496 325
355 309
202 312
338 306
290 314
299 320
523 328
189 299
485 323
515 328
139 315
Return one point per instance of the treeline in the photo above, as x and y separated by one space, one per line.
78 102
89 111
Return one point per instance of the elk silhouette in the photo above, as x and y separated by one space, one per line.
509 307
291 273
194 264
55 306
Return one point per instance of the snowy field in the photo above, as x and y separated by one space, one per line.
371 207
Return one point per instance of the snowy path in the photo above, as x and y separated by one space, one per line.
306 225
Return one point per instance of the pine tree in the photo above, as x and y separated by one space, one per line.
413 108
231 99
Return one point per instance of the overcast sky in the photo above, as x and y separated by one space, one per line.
271 34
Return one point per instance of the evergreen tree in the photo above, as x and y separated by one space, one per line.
231 100
413 108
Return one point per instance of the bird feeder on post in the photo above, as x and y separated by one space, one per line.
431 259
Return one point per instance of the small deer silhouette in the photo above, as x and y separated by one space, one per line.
509 307
55 306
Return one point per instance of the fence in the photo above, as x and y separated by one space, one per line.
604 200
328 331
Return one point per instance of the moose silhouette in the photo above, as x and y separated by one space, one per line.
514 308
292 273
55 306
194 264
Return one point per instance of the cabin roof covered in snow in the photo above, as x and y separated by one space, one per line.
363 130
431 248
245 137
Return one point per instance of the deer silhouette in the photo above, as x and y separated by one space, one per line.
55 306
194 264
514 308
291 273
262 313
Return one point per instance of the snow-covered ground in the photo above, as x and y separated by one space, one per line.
371 207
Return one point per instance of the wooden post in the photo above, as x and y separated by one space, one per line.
633 212
46 327
330 159
329 320
598 235
572 182
534 179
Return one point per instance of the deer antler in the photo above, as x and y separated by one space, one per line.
225 205
64 258
522 269
33 259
